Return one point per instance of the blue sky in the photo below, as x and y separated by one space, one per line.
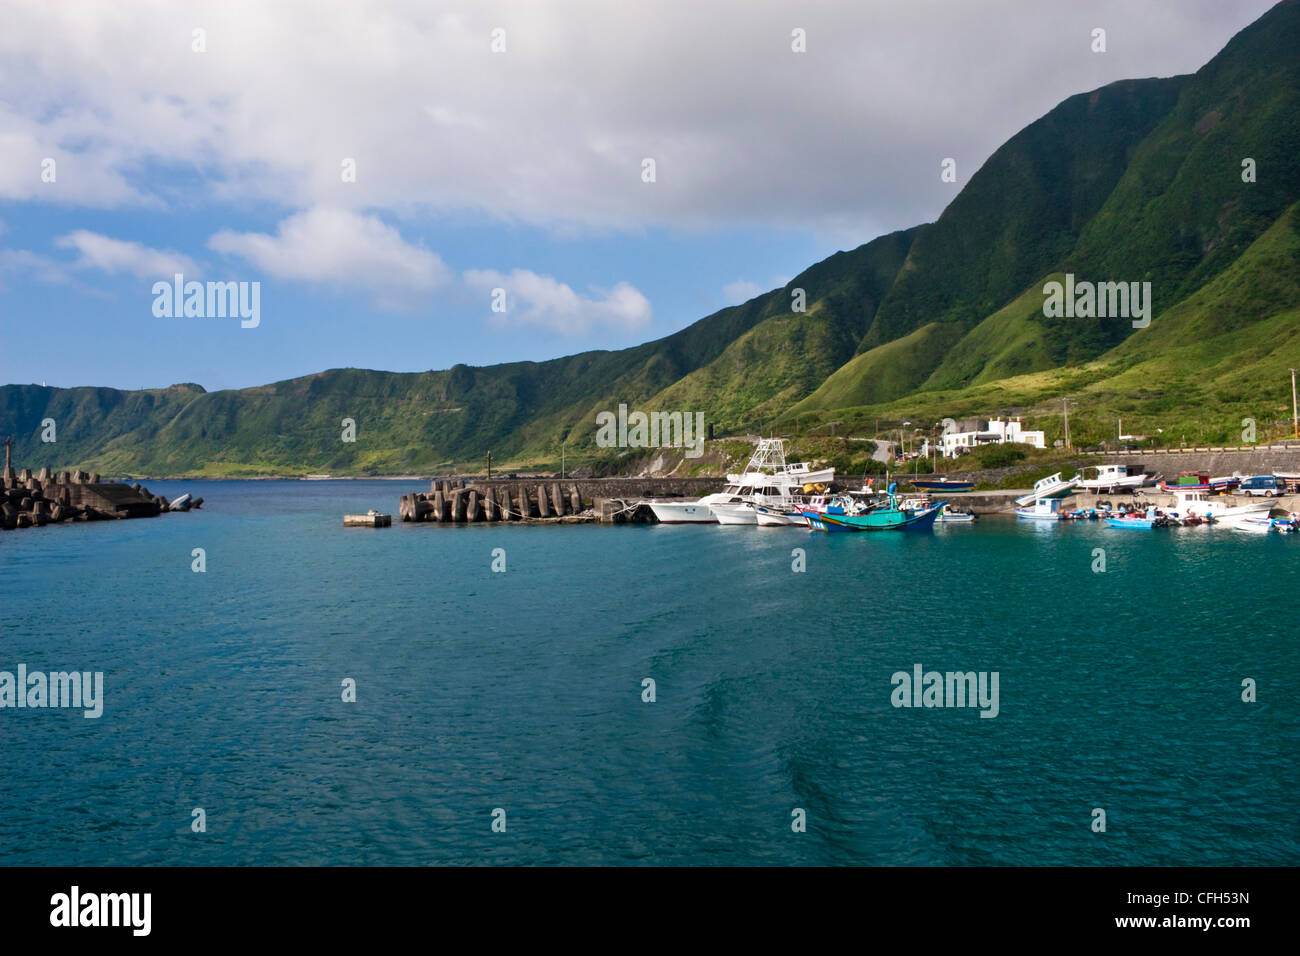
213 138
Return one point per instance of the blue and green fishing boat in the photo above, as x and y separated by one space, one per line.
844 514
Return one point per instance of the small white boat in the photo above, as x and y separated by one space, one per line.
1044 509
1254 525
1053 486
1113 479
954 517
773 516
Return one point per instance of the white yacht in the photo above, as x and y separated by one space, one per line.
767 481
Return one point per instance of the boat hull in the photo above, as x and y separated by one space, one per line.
735 514
1113 486
885 520
767 518
683 512
924 485
1141 524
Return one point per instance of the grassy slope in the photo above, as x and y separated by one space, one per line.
1203 365
789 355
1023 211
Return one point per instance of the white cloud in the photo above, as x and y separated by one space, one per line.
742 290
844 138
116 256
339 247
542 301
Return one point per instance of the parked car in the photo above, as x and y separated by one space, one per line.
1267 486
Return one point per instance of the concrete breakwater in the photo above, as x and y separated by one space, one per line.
31 501
461 501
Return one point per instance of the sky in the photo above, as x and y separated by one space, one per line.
381 170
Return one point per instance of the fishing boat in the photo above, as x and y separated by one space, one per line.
941 484
1225 483
1188 481
889 514
1196 502
1112 479
1053 486
1044 509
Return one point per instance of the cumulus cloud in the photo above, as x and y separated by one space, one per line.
116 256
544 302
742 290
340 247
846 137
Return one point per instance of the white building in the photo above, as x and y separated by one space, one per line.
996 432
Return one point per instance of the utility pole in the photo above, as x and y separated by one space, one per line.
489 477
1295 411
1065 403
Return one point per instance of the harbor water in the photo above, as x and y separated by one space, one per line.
1122 660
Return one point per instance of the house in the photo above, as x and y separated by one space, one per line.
993 432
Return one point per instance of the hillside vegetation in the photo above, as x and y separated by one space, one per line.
1139 181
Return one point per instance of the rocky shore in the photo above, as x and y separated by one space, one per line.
32 501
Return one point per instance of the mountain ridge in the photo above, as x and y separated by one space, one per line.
1138 180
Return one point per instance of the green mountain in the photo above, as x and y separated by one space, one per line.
1139 181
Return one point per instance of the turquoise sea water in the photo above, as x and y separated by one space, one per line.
523 691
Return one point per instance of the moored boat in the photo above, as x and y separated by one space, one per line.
1197 502
940 484
766 481
775 516
845 514
1044 509
1152 518
734 512
948 516
1254 525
